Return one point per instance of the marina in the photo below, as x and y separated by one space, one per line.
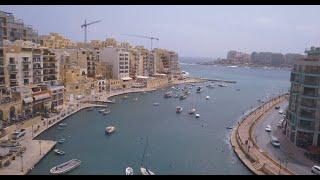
163 123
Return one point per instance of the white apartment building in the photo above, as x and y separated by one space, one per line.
118 58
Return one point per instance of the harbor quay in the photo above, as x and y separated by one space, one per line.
245 146
35 150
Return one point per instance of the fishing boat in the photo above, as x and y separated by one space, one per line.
207 97
156 104
168 94
182 97
106 112
59 152
179 109
199 89
110 129
129 171
197 115
192 111
65 167
60 141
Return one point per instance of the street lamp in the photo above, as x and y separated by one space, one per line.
40 146
21 156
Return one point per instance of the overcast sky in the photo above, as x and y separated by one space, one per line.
204 31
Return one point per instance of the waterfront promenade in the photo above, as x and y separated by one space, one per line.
246 148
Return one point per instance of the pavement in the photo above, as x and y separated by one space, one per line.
289 155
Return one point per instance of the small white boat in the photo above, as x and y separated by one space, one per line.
156 104
135 99
197 115
145 171
129 171
102 110
192 111
65 167
207 97
60 141
63 124
59 152
106 112
179 109
110 129
168 94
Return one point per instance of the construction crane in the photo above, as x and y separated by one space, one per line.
85 25
146 37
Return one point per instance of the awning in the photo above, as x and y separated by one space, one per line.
28 100
41 96
142 77
126 78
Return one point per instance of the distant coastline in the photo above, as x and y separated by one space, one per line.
245 65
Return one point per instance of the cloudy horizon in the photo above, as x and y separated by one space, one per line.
192 31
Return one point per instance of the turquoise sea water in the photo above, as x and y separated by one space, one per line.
178 143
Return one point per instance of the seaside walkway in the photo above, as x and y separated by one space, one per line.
246 148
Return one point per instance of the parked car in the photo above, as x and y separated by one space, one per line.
280 111
275 142
268 128
315 170
277 107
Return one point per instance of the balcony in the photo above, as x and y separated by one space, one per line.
26 62
37 67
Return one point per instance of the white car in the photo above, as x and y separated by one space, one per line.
315 170
268 128
281 111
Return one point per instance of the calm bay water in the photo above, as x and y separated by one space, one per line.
178 143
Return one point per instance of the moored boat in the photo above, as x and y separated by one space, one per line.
106 112
110 129
199 89
168 94
59 152
192 111
145 171
182 97
207 97
197 115
179 109
129 171
60 141
156 104
65 167
62 124
102 110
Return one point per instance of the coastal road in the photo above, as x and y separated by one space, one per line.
289 155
